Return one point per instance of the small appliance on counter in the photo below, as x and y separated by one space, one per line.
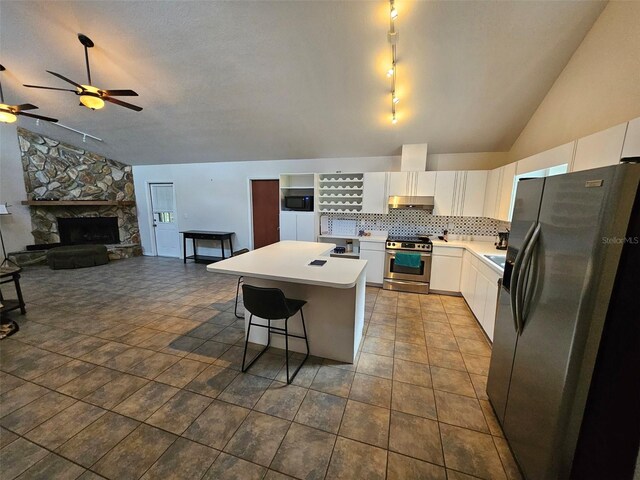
503 240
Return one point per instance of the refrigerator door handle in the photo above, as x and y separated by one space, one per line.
517 264
522 277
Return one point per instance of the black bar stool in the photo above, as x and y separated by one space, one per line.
271 304
240 279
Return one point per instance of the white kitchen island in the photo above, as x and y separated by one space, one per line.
335 295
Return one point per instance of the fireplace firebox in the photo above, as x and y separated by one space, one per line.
88 230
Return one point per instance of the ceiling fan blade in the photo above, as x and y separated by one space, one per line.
122 104
50 88
121 93
24 106
62 77
39 117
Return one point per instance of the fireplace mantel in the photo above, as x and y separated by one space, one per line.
78 203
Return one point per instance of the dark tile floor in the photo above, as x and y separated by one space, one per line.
131 370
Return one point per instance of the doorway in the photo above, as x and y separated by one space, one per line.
164 220
265 201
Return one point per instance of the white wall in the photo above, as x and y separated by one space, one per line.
16 228
598 88
215 196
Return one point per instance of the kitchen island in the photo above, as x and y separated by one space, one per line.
335 294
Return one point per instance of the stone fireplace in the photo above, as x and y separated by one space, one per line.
75 196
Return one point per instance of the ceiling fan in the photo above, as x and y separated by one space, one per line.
90 96
9 113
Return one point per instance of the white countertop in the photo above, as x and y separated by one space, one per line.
288 261
369 238
479 249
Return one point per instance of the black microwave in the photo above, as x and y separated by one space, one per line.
301 203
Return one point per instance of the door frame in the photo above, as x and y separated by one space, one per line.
250 197
154 247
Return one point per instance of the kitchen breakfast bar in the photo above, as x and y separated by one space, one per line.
334 292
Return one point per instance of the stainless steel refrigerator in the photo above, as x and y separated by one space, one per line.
564 378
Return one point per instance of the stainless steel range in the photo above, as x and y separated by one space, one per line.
407 278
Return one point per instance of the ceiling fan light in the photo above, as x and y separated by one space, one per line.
92 102
6 116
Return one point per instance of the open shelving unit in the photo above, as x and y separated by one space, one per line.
302 184
340 192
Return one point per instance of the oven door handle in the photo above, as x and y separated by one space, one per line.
392 253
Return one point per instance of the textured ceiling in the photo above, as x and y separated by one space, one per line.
244 80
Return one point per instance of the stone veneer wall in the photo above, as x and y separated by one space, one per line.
58 171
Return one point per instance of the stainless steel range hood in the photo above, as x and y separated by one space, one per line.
416 203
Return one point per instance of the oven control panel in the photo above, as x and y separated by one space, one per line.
424 247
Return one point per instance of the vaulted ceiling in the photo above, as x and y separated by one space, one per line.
242 80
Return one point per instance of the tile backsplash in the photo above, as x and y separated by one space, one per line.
410 222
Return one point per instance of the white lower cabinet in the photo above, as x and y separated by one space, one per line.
467 278
297 226
446 266
479 287
374 253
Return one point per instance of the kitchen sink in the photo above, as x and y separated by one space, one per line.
499 260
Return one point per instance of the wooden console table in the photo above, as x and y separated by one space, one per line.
8 275
196 235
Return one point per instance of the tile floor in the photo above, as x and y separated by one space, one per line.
131 370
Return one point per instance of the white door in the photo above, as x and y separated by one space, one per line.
165 227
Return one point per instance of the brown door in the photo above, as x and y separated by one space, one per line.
265 196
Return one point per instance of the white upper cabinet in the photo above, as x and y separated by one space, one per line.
460 193
508 173
631 146
411 184
600 149
492 194
374 194
561 155
399 183
446 183
425 184
474 186
497 199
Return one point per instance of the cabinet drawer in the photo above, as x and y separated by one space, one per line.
200 236
447 251
372 246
